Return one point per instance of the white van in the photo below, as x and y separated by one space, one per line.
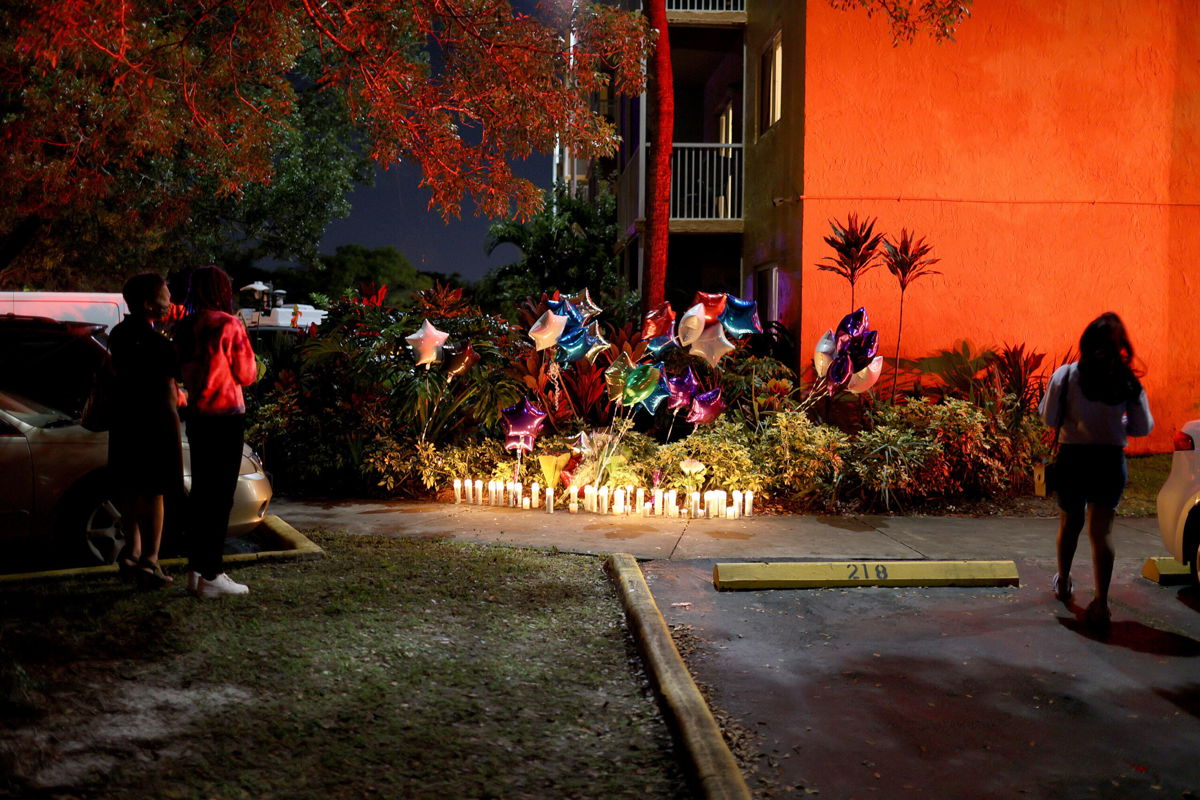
101 308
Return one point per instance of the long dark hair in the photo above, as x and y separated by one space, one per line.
1106 372
210 289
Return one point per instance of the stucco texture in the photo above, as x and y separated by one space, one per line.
1051 155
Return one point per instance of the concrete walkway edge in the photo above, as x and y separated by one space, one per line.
714 767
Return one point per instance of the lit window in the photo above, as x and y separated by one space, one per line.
766 291
771 82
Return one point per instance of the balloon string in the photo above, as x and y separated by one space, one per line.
671 427
433 411
610 447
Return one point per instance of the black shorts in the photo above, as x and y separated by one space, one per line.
1090 475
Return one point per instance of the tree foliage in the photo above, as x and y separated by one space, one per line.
142 108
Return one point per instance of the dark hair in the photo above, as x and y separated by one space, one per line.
210 289
1106 371
141 289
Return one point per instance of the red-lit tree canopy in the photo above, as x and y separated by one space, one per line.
139 104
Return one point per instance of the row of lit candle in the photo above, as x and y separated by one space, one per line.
603 500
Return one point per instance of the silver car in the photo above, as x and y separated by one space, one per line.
54 487
1179 500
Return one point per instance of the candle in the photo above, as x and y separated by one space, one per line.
641 498
573 508
525 504
737 503
458 490
479 492
574 494
520 491
603 499
658 502
535 494
695 504
619 501
749 498
491 493
589 498
550 499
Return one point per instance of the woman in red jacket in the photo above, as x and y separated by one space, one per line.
216 361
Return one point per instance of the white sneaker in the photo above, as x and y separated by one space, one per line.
219 586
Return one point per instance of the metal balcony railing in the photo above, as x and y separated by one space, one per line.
706 181
706 5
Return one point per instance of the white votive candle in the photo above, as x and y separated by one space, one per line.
658 502
748 496
737 501
550 499
574 494
525 504
458 490
535 494
641 497
619 501
603 500
478 492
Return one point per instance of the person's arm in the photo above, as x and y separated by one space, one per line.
1050 409
241 357
1138 421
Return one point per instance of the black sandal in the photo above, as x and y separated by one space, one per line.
150 575
127 567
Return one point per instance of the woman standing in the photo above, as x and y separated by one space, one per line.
216 361
144 453
1096 403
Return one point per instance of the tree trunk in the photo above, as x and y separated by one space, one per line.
661 95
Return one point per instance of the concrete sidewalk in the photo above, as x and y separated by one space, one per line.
761 537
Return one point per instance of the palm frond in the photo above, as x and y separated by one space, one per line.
908 259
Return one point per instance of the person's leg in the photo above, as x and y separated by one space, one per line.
214 480
1100 524
1070 524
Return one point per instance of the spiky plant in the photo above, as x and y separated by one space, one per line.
907 260
855 248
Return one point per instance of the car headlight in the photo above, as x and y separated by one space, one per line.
252 467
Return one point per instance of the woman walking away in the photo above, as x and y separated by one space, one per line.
216 361
1095 403
144 454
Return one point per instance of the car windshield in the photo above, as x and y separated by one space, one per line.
33 413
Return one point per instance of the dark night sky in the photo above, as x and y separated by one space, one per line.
395 212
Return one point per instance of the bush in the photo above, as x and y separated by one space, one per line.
887 463
725 448
804 460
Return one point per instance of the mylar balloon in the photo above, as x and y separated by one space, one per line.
581 443
853 324
652 401
566 308
740 317
682 389
866 377
522 422
547 329
839 372
614 376
425 343
862 349
712 345
596 343
706 407
552 467
823 354
658 322
639 384
582 300
714 305
459 359
660 344
691 325
572 346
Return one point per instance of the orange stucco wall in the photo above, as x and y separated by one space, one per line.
1051 154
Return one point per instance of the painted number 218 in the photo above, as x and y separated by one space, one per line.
862 572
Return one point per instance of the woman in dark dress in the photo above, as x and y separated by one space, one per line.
144 453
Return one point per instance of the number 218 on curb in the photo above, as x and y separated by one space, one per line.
866 572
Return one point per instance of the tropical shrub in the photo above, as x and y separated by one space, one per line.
803 460
886 463
725 448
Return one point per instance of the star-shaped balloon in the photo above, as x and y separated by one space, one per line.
639 384
740 317
712 345
713 304
823 354
566 308
652 401
522 423
614 376
582 443
682 389
691 325
866 377
582 300
658 321
459 359
572 346
425 343
706 407
660 344
547 329
596 343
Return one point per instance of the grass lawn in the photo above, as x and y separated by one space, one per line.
1146 476
389 669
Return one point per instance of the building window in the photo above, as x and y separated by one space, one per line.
770 82
766 291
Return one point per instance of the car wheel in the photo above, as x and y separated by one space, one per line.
90 524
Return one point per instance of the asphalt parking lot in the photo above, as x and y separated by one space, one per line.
951 692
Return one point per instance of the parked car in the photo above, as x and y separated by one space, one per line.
50 361
56 486
1179 500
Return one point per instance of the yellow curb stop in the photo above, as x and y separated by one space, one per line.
291 545
829 574
1165 571
713 765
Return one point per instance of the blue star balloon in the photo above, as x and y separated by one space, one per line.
740 317
566 308
652 401
660 344
572 346
596 343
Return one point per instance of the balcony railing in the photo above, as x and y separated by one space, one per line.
706 5
706 181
